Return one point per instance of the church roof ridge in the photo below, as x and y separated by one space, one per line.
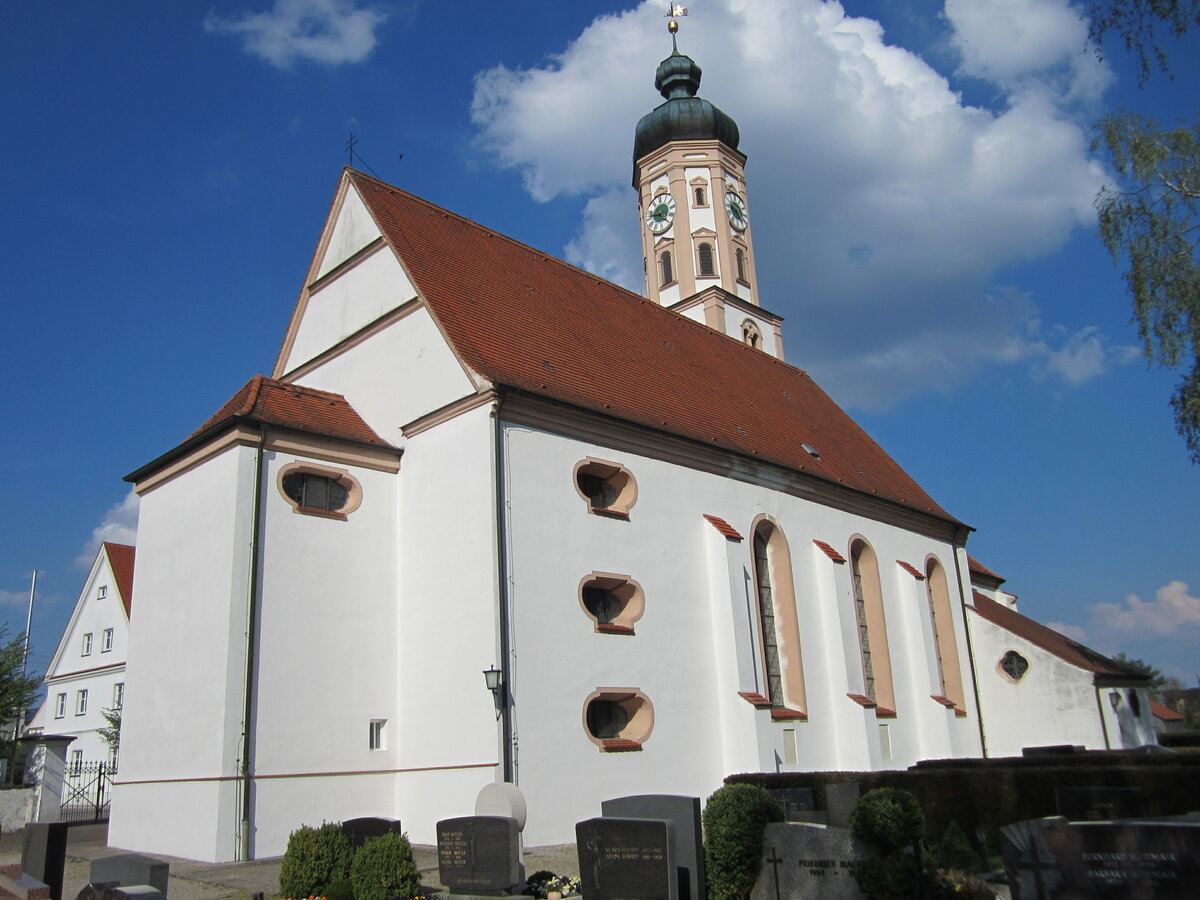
524 319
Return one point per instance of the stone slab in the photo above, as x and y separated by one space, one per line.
840 800
502 799
627 859
688 848
44 855
1094 804
362 829
795 802
131 868
802 861
479 855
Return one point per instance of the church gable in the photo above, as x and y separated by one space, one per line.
353 230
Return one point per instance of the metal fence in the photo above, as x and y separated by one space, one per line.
87 792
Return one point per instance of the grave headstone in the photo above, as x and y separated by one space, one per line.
803 861
362 829
503 799
840 800
795 803
684 814
1091 804
44 854
110 890
131 868
1132 859
1052 750
627 859
479 855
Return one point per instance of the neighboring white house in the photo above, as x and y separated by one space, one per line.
87 674
681 557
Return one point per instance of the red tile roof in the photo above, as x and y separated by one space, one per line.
1164 713
976 567
1052 642
529 321
120 559
910 570
724 527
829 551
263 399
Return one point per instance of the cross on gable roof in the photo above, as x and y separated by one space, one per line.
526 320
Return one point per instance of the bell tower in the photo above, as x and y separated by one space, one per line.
697 244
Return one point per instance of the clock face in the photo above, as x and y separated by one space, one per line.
735 208
661 213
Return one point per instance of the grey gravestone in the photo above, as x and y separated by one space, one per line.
362 829
44 854
795 802
110 890
1091 804
1052 858
627 859
684 814
840 800
131 868
502 799
802 861
479 855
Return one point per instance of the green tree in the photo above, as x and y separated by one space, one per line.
111 732
1150 219
17 693
1157 680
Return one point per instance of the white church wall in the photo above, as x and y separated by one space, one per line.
395 376
353 229
1054 702
186 664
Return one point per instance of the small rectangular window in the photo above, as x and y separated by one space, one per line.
106 641
118 695
81 702
60 706
87 645
375 736
101 592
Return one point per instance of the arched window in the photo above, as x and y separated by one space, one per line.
948 669
751 335
780 634
700 196
872 630
668 275
705 252
740 257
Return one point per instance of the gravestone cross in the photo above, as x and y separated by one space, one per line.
775 862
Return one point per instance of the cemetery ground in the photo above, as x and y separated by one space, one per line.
191 880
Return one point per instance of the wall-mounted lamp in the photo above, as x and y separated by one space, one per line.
494 679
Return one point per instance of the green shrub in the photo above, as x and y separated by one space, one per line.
384 868
888 819
954 851
315 859
734 819
340 890
893 877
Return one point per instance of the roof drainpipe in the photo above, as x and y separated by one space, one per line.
961 544
502 595
251 642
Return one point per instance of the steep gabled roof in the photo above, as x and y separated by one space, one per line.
978 568
120 560
1052 642
526 320
263 399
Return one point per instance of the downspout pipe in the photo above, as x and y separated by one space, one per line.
251 645
502 593
960 543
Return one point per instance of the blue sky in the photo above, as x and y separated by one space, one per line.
919 177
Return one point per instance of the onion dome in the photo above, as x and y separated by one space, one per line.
684 117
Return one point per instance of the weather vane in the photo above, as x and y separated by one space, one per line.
674 11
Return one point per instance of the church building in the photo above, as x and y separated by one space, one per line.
492 518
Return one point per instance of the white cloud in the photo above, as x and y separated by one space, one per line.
14 598
882 206
324 31
1074 632
119 526
1172 612
1082 356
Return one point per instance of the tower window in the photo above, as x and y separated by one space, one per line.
668 275
705 253
700 196
740 257
613 602
751 335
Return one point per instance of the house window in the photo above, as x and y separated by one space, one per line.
613 602
318 491
81 702
119 695
60 706
872 630
705 254
101 592
668 274
617 719
106 640
76 762
87 645
375 734
608 488
778 625
1014 665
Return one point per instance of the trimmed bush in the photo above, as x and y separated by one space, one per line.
315 859
340 890
954 851
384 868
889 819
734 819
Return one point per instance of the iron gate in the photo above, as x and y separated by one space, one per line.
87 792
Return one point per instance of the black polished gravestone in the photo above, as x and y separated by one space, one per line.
794 802
131 868
1093 804
44 854
362 829
627 859
688 847
1135 859
479 855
